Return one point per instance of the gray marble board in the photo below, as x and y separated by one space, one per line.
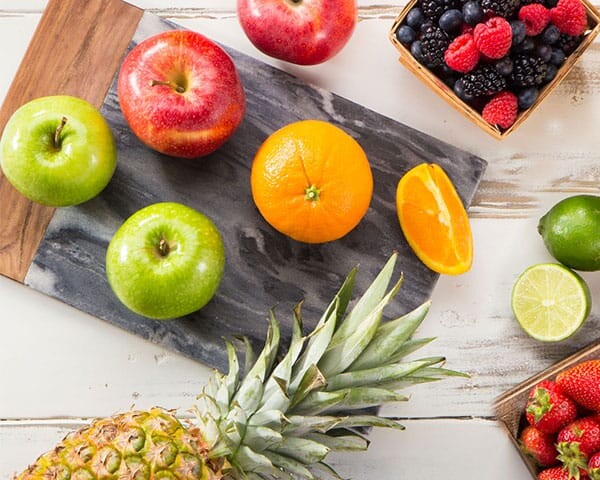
264 269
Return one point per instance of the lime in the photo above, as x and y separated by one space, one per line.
550 302
571 232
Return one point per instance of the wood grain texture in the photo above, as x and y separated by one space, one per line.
187 8
85 367
81 64
550 158
393 455
509 407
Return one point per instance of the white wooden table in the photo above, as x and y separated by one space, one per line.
59 367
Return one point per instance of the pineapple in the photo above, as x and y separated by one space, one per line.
277 419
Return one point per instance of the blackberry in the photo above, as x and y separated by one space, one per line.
434 42
528 71
433 9
567 43
483 81
503 8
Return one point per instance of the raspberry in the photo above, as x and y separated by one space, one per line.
570 17
462 54
465 28
501 110
494 37
536 18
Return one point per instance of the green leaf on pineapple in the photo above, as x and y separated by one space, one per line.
387 338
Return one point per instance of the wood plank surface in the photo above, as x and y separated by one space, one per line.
56 362
368 9
430 448
57 64
527 173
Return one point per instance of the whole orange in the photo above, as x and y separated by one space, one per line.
312 181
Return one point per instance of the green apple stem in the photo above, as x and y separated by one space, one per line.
174 86
163 247
59 130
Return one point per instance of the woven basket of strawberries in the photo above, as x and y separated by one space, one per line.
494 60
554 419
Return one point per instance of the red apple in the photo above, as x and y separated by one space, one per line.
181 94
305 32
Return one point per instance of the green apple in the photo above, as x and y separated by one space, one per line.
58 151
165 261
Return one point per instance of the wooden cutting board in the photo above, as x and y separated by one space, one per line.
77 50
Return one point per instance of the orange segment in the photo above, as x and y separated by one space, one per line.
434 220
312 181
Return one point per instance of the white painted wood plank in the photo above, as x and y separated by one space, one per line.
426 449
90 368
217 5
527 173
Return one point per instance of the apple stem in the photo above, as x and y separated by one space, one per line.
163 247
59 130
174 86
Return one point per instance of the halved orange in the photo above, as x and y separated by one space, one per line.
434 220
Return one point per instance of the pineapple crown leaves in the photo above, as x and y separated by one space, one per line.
281 419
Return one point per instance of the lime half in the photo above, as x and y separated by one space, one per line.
550 302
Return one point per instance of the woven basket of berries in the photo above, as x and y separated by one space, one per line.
554 418
494 60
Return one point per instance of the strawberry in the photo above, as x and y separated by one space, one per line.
539 446
594 467
577 442
556 473
548 409
582 384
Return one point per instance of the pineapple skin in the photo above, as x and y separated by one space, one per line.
136 445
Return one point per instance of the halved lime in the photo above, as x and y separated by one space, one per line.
550 302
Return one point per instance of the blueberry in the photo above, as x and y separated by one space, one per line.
415 18
450 81
551 72
446 71
518 32
416 49
527 97
472 13
504 66
544 52
527 45
558 57
406 35
451 20
551 35
459 89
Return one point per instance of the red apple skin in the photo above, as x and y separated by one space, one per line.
304 32
191 124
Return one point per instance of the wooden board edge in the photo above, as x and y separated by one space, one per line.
76 50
